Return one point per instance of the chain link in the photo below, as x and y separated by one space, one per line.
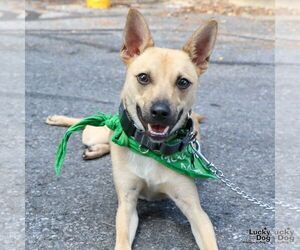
235 188
219 174
286 205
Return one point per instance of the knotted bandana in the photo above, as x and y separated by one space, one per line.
183 162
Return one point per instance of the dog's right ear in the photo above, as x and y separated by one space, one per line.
137 36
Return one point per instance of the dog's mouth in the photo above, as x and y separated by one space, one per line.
156 131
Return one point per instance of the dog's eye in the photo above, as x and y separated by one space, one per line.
143 78
183 83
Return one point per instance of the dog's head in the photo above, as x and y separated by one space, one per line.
161 83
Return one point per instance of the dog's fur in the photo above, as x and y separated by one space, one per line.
136 176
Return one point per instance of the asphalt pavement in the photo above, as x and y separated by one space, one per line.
73 68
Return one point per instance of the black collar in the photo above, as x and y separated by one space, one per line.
145 141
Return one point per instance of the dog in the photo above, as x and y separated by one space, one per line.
158 94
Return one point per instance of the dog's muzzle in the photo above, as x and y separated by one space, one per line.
183 136
159 121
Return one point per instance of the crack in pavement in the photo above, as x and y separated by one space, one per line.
38 95
75 41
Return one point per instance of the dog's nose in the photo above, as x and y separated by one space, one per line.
160 111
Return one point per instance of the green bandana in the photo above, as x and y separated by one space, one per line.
183 162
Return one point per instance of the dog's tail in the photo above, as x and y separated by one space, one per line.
198 118
61 120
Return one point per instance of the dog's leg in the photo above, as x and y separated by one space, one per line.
94 138
197 119
92 135
128 187
184 194
127 218
95 151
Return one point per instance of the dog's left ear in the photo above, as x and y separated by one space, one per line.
199 47
137 36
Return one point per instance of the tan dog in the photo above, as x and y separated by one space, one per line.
158 94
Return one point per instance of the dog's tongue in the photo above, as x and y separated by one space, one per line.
158 128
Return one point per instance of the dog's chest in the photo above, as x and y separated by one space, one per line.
147 169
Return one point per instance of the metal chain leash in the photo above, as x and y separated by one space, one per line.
286 205
234 187
237 189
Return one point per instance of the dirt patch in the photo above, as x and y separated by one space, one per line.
63 2
178 7
224 7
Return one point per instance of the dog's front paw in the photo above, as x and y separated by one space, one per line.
122 247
